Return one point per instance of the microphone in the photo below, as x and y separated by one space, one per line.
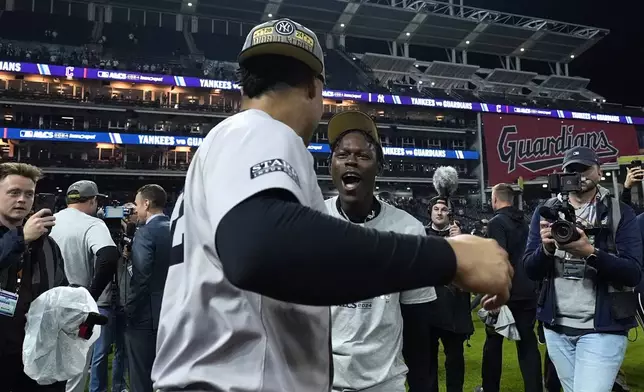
548 213
445 181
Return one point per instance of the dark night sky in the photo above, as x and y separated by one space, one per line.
615 65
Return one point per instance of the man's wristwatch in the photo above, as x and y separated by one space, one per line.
592 259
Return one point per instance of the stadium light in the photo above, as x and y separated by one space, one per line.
270 15
467 42
341 24
544 185
523 49
189 4
572 56
408 34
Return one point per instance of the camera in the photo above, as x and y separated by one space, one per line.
564 231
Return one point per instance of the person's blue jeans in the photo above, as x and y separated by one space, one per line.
587 363
111 334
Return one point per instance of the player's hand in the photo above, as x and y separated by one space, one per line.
545 232
494 311
38 225
454 229
633 175
482 266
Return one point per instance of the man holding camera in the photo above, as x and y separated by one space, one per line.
30 264
90 254
586 303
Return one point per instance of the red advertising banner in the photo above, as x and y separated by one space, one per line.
531 147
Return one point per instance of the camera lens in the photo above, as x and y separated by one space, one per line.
564 232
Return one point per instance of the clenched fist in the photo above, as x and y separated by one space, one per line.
38 225
482 266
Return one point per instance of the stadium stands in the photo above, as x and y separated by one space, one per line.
71 40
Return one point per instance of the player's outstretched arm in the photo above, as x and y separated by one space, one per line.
272 245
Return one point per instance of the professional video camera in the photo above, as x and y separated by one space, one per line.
564 231
122 232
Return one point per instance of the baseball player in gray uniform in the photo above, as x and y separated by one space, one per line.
256 261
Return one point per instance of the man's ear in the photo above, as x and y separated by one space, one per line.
312 89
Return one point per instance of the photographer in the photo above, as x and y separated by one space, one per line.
634 175
584 302
90 254
30 264
112 305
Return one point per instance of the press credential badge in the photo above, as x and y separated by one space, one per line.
8 303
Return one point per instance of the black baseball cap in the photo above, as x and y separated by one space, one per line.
287 38
580 155
438 200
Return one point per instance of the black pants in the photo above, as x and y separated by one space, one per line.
454 359
141 351
550 376
14 379
527 353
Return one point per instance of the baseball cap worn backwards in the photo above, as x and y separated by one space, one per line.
83 189
286 38
580 155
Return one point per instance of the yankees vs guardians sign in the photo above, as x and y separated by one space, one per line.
531 147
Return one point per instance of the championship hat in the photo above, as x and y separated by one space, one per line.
351 120
83 189
287 38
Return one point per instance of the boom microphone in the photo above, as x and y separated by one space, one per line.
445 181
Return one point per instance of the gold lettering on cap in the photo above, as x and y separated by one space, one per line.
263 31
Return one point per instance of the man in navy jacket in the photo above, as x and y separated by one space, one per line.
584 297
150 263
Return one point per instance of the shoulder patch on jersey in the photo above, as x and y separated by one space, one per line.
274 165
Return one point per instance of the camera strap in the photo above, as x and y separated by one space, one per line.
616 217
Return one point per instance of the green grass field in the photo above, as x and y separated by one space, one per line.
511 379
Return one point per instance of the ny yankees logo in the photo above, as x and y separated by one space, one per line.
284 27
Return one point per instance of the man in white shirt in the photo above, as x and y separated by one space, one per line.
367 336
246 304
89 251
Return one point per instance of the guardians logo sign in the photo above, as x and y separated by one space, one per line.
531 147
547 152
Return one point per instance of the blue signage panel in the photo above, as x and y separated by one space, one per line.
195 141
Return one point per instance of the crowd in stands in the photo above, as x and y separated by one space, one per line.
163 50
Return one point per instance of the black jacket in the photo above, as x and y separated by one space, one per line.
510 229
150 262
451 309
42 269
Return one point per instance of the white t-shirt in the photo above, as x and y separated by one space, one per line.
212 335
79 237
367 336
